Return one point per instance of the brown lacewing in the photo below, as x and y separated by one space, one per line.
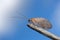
40 22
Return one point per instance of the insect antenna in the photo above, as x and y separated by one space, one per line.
20 16
23 16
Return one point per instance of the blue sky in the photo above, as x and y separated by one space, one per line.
40 8
49 9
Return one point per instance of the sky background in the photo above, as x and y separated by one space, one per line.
16 28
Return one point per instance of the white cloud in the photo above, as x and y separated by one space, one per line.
56 17
57 14
7 8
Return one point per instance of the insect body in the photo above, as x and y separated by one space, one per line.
41 22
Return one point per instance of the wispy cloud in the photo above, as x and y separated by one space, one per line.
57 13
56 16
7 8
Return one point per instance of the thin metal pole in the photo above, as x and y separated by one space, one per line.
44 32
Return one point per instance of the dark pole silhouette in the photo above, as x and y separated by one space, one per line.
43 31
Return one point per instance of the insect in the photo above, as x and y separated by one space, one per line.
40 22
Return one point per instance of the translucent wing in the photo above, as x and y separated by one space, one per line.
41 22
